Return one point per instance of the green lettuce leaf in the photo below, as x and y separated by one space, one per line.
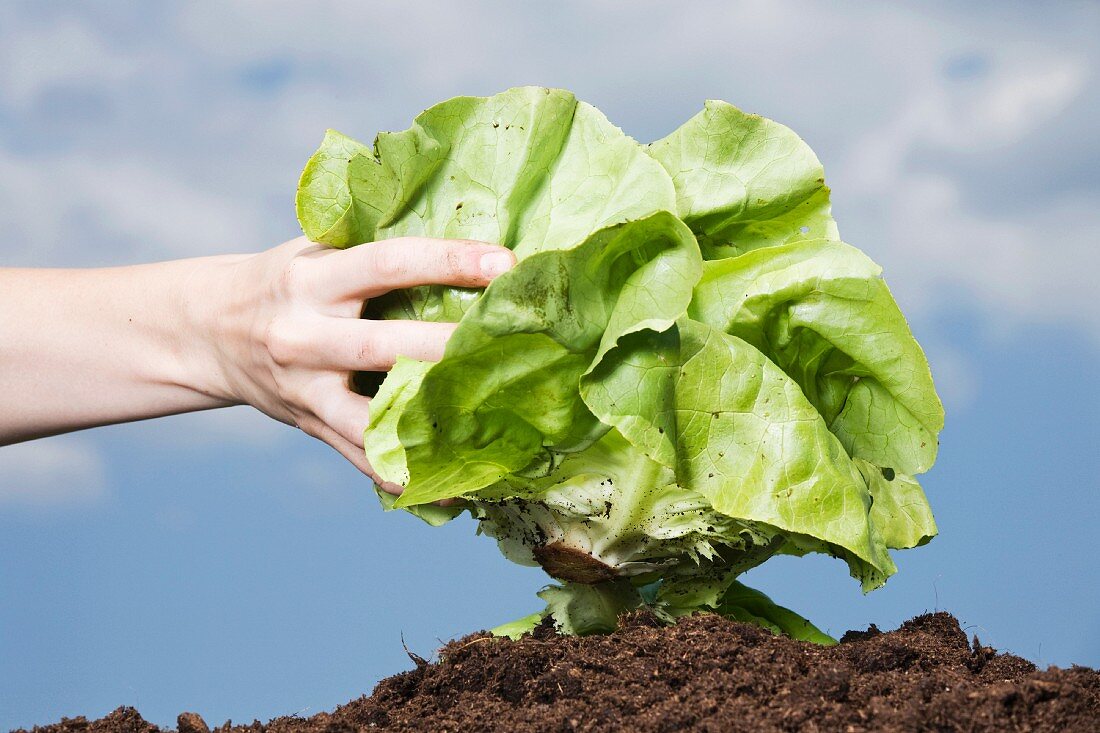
900 508
384 449
514 630
744 182
821 312
326 209
751 606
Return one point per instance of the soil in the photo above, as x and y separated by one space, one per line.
704 674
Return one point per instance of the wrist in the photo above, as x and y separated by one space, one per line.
215 304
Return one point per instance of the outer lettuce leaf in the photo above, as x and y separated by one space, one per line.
432 514
532 169
746 604
744 436
507 388
514 630
635 391
744 182
384 449
326 209
728 597
821 312
900 509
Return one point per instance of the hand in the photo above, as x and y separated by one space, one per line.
293 333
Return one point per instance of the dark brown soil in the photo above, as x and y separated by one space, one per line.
704 674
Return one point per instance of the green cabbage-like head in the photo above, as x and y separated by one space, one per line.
686 373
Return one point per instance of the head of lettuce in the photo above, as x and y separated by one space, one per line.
686 373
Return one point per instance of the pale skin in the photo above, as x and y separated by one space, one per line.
279 330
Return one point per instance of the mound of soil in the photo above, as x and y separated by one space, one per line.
704 674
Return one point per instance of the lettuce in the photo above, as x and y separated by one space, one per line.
686 373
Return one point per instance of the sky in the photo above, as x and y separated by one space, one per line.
223 563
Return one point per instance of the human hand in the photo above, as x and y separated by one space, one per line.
293 334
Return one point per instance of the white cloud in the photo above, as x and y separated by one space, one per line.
1022 99
1025 269
53 473
57 211
65 52
969 117
166 215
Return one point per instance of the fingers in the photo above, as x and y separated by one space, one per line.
345 412
341 429
375 268
354 454
352 344
350 415
358 458
339 419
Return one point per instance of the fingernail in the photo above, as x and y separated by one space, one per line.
495 263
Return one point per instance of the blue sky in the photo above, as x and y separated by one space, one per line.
222 563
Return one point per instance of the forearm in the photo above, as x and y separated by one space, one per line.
80 348
280 330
